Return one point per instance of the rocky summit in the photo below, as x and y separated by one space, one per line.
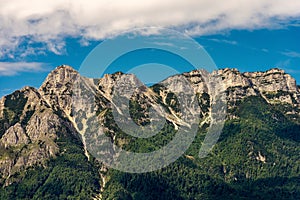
43 149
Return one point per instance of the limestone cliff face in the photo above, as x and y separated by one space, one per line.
31 120
106 84
15 136
274 85
233 78
57 88
272 80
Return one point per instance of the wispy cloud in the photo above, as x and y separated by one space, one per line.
292 54
283 64
35 21
13 68
232 42
164 44
292 71
5 91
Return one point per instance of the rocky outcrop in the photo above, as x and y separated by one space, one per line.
106 84
6 165
57 88
274 85
233 78
43 124
15 136
272 80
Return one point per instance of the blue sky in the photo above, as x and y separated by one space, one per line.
255 36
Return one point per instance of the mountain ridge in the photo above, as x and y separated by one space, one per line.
32 121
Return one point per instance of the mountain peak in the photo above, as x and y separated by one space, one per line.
57 88
275 70
64 67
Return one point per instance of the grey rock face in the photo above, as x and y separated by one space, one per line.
43 124
57 88
14 136
272 80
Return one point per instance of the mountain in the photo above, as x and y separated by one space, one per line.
44 139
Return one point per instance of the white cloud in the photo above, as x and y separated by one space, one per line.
232 42
13 68
291 54
50 22
283 64
291 71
